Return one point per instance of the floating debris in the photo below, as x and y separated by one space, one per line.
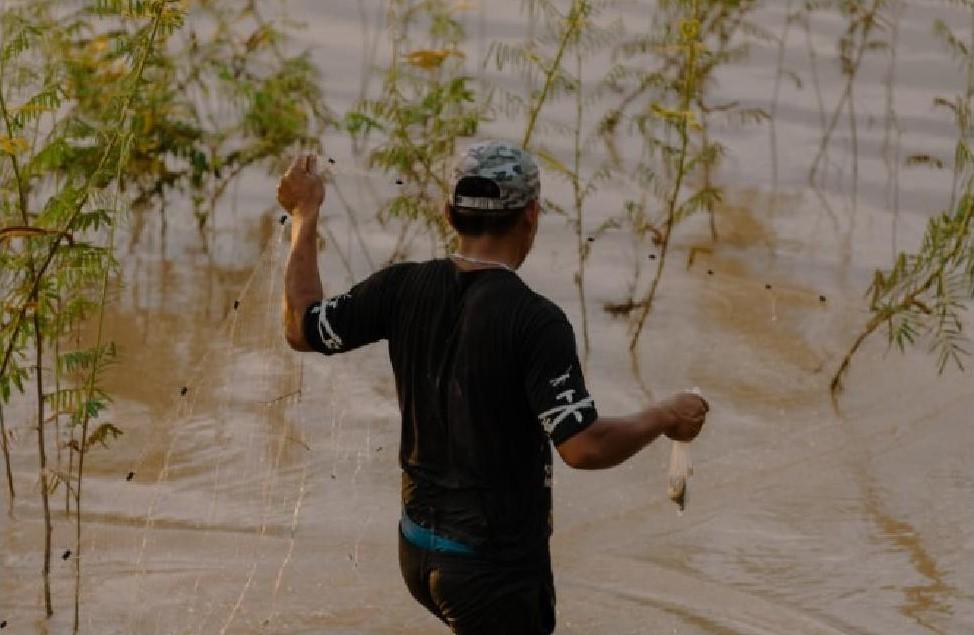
283 218
236 304
710 272
821 298
130 476
183 391
399 181
591 239
66 555
3 624
330 160
652 256
767 286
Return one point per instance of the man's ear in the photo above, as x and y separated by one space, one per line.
531 214
449 216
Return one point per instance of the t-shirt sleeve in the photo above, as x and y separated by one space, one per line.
554 383
361 316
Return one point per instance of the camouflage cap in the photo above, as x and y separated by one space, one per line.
511 168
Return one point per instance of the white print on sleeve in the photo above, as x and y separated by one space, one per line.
550 419
328 335
560 380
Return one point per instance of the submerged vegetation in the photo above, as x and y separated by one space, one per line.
108 106
111 108
425 105
925 294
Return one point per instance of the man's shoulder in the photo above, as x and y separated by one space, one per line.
535 309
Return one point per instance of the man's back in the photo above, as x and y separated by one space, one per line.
478 358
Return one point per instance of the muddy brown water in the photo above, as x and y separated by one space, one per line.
265 499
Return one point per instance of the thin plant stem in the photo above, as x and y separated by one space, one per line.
57 380
86 419
90 384
579 200
575 19
893 132
854 141
773 111
353 225
967 125
708 173
847 93
813 67
873 324
42 458
6 458
673 200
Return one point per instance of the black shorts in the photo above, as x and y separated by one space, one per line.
479 596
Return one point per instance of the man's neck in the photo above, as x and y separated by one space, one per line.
487 251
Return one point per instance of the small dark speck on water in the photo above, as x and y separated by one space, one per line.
183 391
652 256
331 160
66 555
710 272
821 298
333 476
399 181
3 624
591 239
379 449
130 476
767 286
236 304
283 218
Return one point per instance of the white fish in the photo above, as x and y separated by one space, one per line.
680 470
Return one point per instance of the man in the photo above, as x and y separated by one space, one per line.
488 378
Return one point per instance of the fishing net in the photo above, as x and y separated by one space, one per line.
218 498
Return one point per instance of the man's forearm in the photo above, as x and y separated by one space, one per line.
302 281
611 440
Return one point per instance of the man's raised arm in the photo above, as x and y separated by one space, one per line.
301 192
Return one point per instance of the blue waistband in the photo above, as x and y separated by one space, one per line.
424 538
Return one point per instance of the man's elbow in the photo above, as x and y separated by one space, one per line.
295 336
297 342
293 330
579 454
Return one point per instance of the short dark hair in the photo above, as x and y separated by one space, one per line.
476 222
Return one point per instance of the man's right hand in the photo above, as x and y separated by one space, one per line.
301 189
687 412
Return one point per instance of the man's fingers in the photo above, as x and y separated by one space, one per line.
297 164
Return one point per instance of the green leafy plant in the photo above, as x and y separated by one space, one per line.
924 295
554 59
56 216
659 106
107 106
426 104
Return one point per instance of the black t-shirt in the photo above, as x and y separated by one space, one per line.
486 374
